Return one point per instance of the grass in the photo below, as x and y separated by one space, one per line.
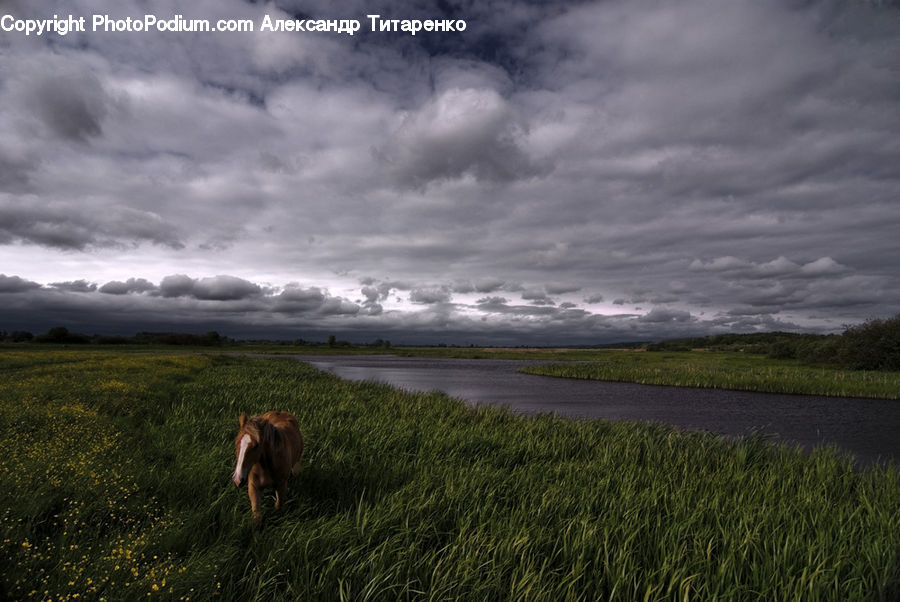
114 484
719 370
737 371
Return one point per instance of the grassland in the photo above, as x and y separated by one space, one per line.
727 370
708 369
114 484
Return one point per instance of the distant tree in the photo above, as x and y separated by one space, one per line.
58 333
211 339
20 336
61 334
332 340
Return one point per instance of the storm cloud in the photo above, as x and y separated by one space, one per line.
460 132
557 172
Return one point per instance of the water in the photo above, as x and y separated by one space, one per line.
866 427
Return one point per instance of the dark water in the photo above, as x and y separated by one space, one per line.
868 428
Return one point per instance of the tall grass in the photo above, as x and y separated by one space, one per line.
737 371
114 484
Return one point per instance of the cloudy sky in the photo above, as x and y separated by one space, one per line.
559 172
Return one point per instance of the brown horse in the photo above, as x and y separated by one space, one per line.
268 450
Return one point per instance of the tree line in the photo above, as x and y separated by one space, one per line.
62 335
872 345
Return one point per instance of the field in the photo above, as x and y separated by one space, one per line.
708 369
115 484
728 370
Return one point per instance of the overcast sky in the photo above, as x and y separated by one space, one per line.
559 172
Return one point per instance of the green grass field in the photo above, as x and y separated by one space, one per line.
727 370
115 484
708 369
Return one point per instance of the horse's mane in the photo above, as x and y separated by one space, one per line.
265 434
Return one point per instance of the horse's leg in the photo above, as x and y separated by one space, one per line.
253 492
280 493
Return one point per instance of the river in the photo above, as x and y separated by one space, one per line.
869 428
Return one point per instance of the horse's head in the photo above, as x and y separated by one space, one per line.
246 449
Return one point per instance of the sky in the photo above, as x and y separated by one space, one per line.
557 173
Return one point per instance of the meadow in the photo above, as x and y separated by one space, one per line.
115 485
735 370
727 370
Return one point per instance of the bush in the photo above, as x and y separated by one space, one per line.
873 345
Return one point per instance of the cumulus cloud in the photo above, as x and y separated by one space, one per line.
132 285
537 297
224 288
15 284
178 285
430 296
335 306
461 132
778 267
216 288
822 267
298 300
76 286
489 285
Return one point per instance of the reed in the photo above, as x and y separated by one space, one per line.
114 484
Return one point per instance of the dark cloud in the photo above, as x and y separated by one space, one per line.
76 286
224 288
71 106
500 305
132 285
484 285
781 267
297 300
461 132
663 314
178 285
537 297
429 296
13 174
62 225
216 288
335 306
15 284
721 166
311 310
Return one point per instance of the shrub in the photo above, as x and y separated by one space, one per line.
872 345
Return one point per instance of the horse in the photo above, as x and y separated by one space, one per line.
268 450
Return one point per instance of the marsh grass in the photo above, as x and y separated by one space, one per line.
115 485
737 371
